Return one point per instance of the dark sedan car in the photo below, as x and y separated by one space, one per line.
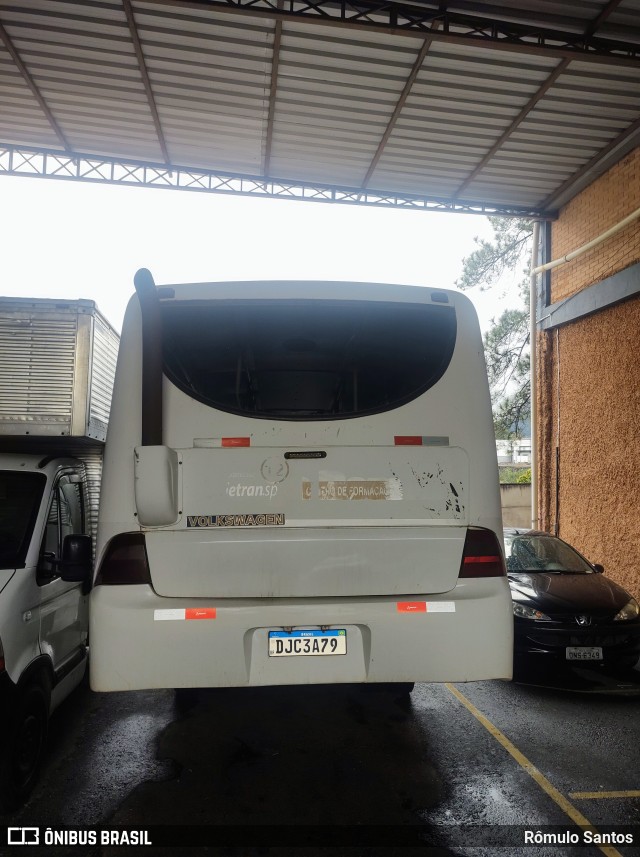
566 612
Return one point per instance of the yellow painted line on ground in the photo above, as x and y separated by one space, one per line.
566 806
595 795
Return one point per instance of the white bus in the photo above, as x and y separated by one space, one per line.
300 486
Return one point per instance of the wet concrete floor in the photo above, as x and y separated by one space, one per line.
338 770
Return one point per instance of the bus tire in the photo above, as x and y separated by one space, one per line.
186 698
395 689
401 689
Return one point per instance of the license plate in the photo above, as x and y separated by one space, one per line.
584 653
283 644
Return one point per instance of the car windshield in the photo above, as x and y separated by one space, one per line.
20 495
543 553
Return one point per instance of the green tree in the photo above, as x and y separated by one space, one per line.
506 343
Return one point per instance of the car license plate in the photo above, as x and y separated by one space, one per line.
284 644
584 653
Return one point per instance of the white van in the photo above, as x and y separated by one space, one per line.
57 362
300 487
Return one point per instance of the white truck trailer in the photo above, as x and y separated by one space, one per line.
57 365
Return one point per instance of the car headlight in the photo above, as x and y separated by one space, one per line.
525 612
629 611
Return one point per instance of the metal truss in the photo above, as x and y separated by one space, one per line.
42 163
440 23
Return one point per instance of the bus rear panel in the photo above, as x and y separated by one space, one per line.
323 506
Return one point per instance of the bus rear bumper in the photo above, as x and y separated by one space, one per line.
140 640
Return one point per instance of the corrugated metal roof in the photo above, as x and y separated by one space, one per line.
514 105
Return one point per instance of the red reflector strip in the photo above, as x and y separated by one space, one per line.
408 440
472 559
236 441
411 606
200 613
178 615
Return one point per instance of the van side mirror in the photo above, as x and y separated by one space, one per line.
77 559
156 485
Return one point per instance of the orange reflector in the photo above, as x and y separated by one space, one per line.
200 613
236 441
408 440
411 606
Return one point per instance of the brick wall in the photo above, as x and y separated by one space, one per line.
603 204
589 386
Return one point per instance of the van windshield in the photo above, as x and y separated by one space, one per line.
20 495
306 359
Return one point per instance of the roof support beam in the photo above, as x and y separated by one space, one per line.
516 122
398 19
44 163
605 158
398 109
275 66
131 21
542 91
599 20
51 119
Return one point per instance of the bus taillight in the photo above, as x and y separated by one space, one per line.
482 555
124 562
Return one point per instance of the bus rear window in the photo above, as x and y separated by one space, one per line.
306 360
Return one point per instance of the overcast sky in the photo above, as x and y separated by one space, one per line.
66 239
